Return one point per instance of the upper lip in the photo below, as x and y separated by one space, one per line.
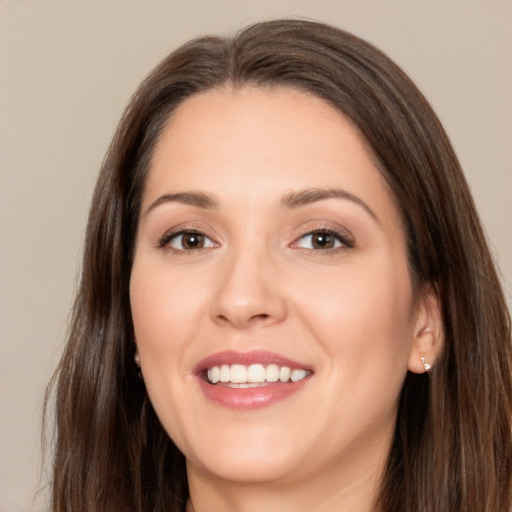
230 357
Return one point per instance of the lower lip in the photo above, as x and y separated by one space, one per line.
250 398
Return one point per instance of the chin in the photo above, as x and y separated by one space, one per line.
245 468
248 456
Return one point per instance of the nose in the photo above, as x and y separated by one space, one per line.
248 292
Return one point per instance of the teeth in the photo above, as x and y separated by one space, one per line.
238 374
254 374
272 373
225 373
298 375
284 374
214 374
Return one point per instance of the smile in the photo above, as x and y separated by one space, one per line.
250 380
254 375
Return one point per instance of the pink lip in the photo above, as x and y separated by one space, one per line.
252 357
248 398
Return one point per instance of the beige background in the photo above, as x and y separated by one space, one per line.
67 70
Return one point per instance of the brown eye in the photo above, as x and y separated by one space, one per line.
189 241
192 241
323 240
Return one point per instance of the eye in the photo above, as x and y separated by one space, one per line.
187 241
323 239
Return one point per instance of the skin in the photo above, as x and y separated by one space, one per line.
350 313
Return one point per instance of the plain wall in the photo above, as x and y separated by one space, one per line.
67 69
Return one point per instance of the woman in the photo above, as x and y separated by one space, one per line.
287 300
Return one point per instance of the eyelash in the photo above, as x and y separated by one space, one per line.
164 242
345 241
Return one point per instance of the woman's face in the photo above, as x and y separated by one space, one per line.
270 255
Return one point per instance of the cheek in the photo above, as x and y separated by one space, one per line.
366 332
164 308
165 315
363 318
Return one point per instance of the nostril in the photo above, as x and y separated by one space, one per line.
262 316
254 319
261 319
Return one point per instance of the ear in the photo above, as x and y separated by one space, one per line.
428 332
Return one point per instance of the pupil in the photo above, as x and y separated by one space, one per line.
193 241
323 240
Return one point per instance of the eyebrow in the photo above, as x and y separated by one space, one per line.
312 195
291 200
199 199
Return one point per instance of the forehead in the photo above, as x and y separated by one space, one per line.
256 141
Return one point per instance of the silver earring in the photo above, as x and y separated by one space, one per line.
426 365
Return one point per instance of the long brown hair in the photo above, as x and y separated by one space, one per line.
452 449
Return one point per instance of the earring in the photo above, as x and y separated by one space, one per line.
136 358
426 365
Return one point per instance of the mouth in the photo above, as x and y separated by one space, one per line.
250 380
